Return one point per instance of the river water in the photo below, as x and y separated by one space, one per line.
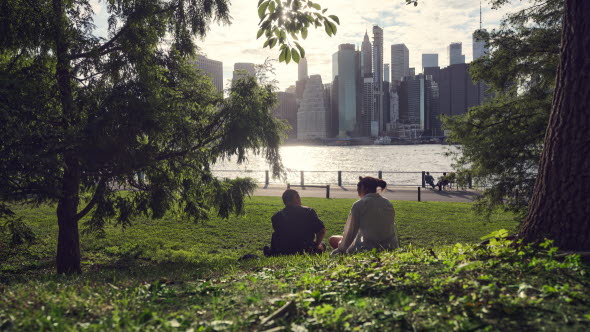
400 164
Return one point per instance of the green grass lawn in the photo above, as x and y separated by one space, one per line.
178 275
421 224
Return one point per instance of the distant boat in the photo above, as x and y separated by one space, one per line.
384 140
339 143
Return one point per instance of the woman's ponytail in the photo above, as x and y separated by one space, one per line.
370 184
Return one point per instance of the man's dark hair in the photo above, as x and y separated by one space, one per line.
289 196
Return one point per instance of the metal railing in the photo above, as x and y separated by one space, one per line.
340 178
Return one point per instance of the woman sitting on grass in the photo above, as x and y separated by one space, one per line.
370 224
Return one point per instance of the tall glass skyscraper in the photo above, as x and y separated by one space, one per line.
479 45
378 76
455 52
344 77
211 68
312 115
400 62
366 57
429 61
302 69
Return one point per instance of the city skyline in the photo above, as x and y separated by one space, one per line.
428 28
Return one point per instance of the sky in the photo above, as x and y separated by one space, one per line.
427 28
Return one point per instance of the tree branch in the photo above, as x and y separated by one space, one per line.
107 47
103 49
102 185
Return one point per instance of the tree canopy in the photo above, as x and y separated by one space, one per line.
83 116
501 140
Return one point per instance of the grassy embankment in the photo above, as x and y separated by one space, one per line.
178 275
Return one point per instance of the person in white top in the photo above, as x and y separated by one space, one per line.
370 223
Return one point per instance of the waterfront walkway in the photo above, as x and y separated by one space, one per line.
396 193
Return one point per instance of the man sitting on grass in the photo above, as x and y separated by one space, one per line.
297 229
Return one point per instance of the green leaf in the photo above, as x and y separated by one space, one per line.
334 28
295 55
262 9
266 43
273 42
317 6
335 19
271 7
287 55
304 33
282 55
260 32
324 11
328 28
301 50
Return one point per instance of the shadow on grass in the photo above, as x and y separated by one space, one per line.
123 270
453 194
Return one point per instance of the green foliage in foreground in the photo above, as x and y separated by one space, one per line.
451 287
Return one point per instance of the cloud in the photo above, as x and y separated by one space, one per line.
428 28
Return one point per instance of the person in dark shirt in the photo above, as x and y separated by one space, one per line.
297 229
429 179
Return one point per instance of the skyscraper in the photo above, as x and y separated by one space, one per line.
334 115
386 72
412 89
243 68
211 68
479 45
366 57
429 60
301 78
311 117
386 101
480 49
377 55
368 107
393 106
416 94
344 89
378 75
287 110
457 92
434 126
302 69
400 62
434 72
455 53
328 106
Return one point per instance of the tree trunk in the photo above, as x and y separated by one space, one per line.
68 241
560 206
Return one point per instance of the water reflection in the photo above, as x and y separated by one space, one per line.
321 163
